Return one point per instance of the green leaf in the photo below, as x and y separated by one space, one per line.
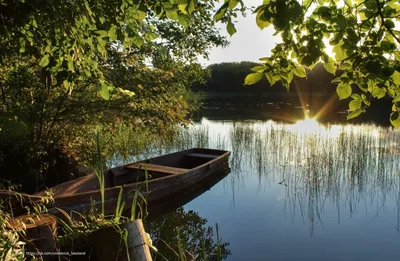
172 14
386 45
330 66
88 7
230 28
306 3
191 6
44 61
340 54
233 3
379 92
355 105
182 6
270 78
112 33
345 66
341 21
151 36
101 33
137 40
221 12
261 21
396 99
354 114
105 90
71 66
289 77
252 78
396 77
391 92
395 119
184 20
343 90
299 71
258 68
141 13
22 44
390 24
348 2
357 97
34 23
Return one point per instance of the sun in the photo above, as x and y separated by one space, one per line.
308 125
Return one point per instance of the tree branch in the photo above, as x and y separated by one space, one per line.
383 21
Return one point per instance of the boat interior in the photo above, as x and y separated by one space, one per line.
172 164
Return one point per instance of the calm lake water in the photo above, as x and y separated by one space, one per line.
299 191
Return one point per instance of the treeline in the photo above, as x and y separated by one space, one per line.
229 78
226 83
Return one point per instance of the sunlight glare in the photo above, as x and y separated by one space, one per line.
306 126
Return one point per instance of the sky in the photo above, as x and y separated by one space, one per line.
249 43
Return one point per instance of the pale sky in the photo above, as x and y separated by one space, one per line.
248 44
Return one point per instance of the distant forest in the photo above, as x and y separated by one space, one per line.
317 92
229 78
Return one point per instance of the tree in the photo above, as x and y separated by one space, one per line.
67 66
71 40
363 35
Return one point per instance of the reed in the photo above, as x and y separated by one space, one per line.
317 167
219 249
181 251
99 170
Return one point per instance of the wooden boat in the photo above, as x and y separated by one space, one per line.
166 175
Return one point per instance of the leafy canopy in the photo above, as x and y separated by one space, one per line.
73 40
363 36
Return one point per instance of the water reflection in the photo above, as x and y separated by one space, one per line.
197 238
329 192
351 167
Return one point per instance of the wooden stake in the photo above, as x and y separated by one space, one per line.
41 234
109 244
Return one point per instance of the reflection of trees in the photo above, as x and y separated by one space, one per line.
196 237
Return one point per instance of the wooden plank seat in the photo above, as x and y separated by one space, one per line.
203 155
157 168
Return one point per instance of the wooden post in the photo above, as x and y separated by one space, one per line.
109 244
41 233
138 247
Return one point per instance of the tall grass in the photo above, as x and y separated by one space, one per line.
100 167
